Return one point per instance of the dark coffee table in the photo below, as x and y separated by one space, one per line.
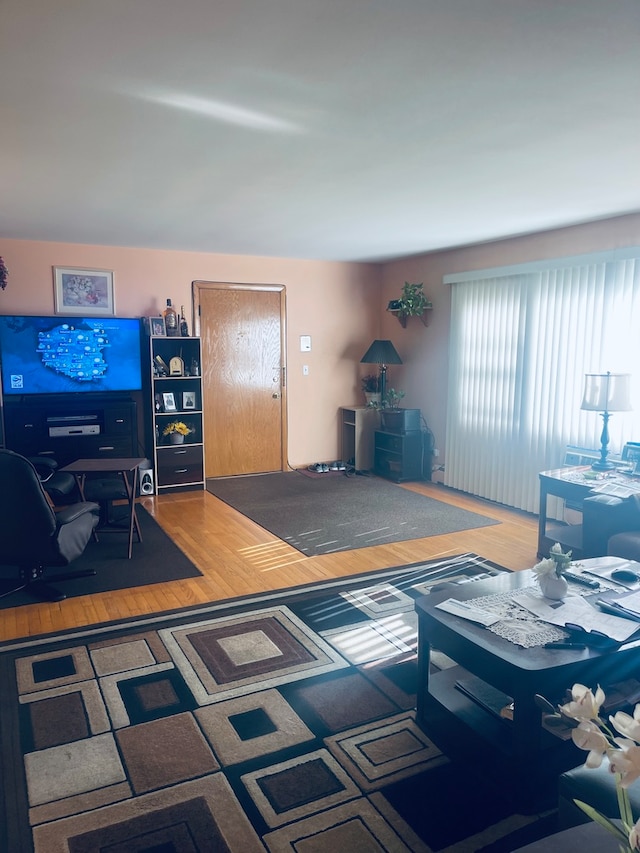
519 752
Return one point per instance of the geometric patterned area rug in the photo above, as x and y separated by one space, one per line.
280 722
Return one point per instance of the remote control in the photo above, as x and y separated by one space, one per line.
582 580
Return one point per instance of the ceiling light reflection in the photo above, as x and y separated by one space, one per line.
227 113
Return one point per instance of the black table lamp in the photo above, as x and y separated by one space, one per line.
381 353
605 393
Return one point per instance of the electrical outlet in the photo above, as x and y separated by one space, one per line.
305 369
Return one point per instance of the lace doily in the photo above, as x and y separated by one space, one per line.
516 624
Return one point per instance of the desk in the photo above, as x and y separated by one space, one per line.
127 468
574 485
570 485
521 751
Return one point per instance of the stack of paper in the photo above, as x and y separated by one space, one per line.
576 610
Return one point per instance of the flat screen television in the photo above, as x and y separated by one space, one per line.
73 355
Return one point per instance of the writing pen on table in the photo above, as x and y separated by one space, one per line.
566 645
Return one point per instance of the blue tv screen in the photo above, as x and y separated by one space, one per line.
57 355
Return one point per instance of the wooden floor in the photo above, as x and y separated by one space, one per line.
237 557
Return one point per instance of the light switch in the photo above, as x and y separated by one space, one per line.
305 369
305 343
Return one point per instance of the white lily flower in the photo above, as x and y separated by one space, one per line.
626 762
634 836
588 736
585 705
544 567
627 725
594 736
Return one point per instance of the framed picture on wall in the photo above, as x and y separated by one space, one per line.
169 401
81 291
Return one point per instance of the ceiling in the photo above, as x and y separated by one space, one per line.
324 129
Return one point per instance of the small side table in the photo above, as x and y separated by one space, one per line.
127 468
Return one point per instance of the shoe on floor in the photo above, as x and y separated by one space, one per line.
319 468
325 467
334 466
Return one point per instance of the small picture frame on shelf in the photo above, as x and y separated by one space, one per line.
188 399
169 401
157 327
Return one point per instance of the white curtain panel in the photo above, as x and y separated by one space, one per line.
522 339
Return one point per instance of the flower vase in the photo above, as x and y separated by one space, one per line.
176 438
553 587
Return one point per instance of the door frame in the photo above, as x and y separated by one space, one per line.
198 286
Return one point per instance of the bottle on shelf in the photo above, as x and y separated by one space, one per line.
171 320
184 329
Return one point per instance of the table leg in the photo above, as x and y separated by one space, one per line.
133 519
80 478
542 520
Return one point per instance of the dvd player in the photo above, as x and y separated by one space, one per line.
74 429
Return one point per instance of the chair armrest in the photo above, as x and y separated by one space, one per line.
45 466
73 511
603 516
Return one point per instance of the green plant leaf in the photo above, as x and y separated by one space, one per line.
604 822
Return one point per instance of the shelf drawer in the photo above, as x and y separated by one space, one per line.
389 441
180 464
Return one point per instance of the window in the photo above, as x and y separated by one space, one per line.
521 341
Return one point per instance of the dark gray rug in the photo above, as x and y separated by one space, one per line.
321 516
154 560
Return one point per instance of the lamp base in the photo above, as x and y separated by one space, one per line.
602 466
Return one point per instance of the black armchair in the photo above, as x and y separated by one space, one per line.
32 535
611 525
61 487
626 542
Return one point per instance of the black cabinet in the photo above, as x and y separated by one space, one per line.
398 456
66 430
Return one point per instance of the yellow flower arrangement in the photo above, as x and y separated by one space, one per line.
177 426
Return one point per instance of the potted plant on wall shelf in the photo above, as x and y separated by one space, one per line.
412 303
371 387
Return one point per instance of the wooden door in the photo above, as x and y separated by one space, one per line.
243 377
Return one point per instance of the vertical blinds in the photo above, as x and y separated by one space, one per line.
521 342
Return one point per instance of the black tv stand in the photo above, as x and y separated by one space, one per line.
66 429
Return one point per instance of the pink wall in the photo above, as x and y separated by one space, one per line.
338 304
341 305
425 351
